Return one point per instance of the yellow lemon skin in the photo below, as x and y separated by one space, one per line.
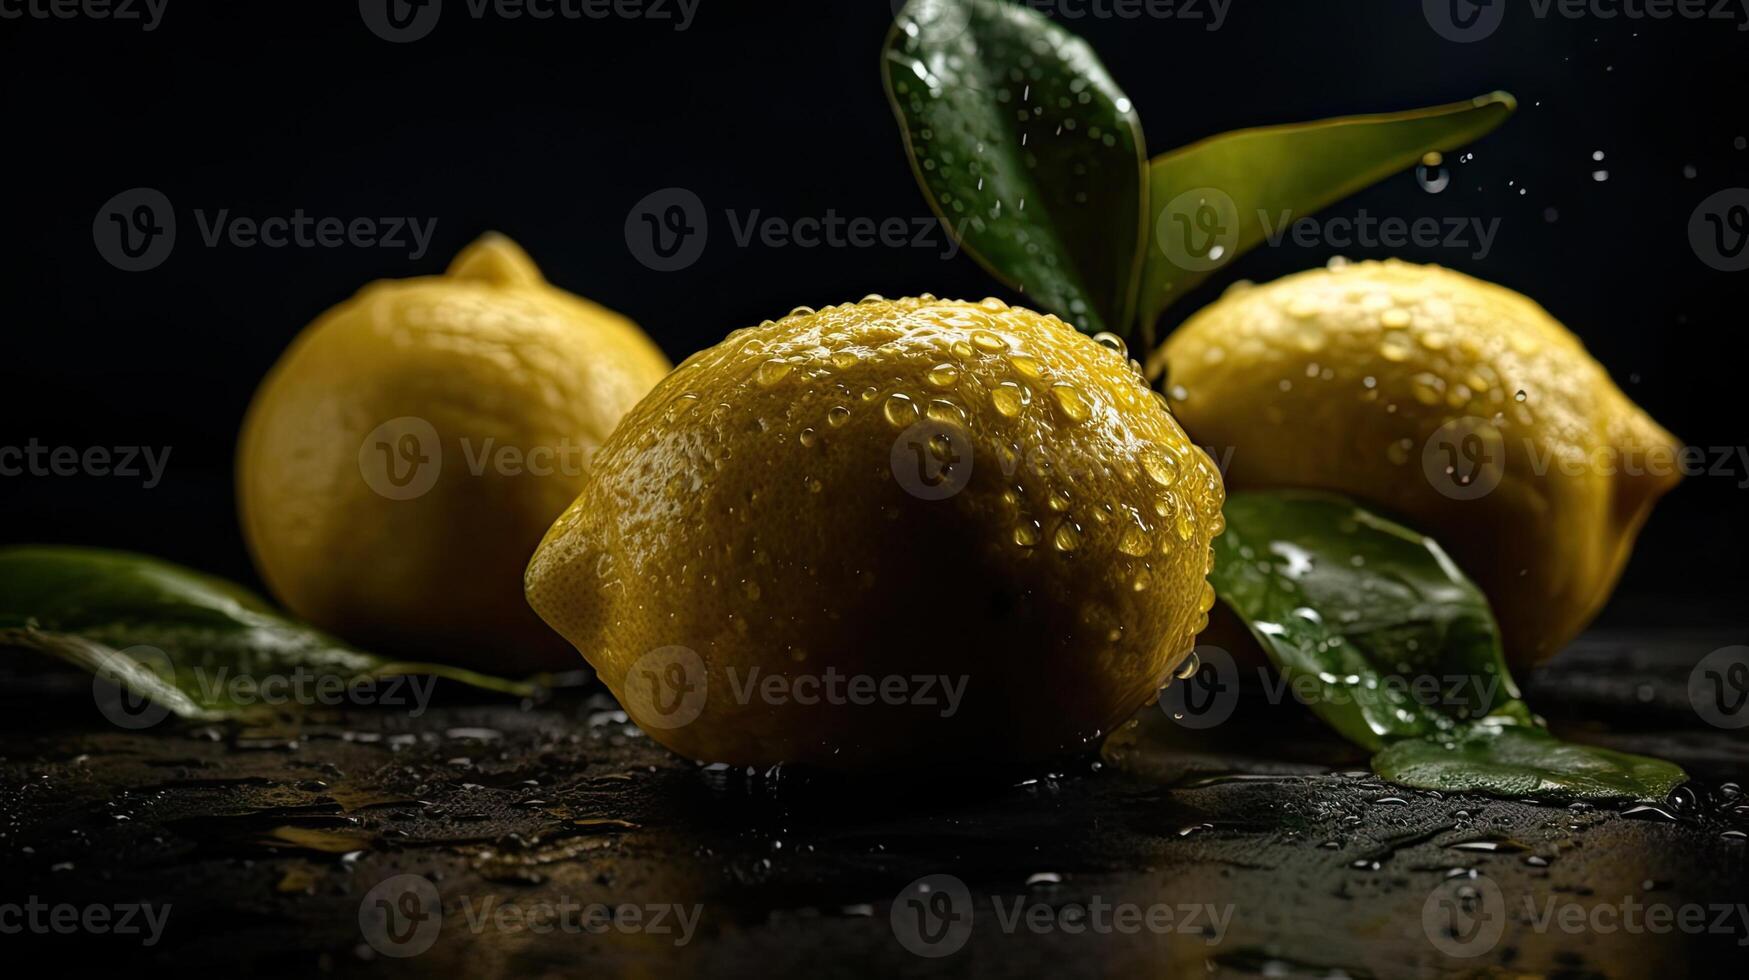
401 461
873 495
1457 405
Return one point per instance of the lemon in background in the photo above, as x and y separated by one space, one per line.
400 463
809 537
1457 405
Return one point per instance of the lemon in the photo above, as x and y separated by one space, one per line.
401 461
1458 405
888 532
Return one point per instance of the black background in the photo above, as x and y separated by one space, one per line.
551 131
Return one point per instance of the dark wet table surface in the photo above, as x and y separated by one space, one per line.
485 837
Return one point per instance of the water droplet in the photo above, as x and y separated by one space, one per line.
986 341
800 311
1067 537
1027 367
1162 467
1009 398
900 410
1058 501
1188 667
1396 318
1520 396
944 375
942 410
1073 403
1428 389
1433 178
773 371
1026 533
1111 341
1395 347
844 360
1135 542
809 438
837 415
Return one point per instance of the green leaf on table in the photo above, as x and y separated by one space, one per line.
1525 761
173 635
1027 150
1216 199
1394 648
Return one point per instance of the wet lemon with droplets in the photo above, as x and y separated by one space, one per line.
888 533
401 461
1460 406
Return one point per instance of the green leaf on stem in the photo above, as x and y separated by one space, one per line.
1027 150
1401 652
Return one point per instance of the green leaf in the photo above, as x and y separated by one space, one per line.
1389 643
1210 200
1523 762
1027 149
173 635
1362 606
